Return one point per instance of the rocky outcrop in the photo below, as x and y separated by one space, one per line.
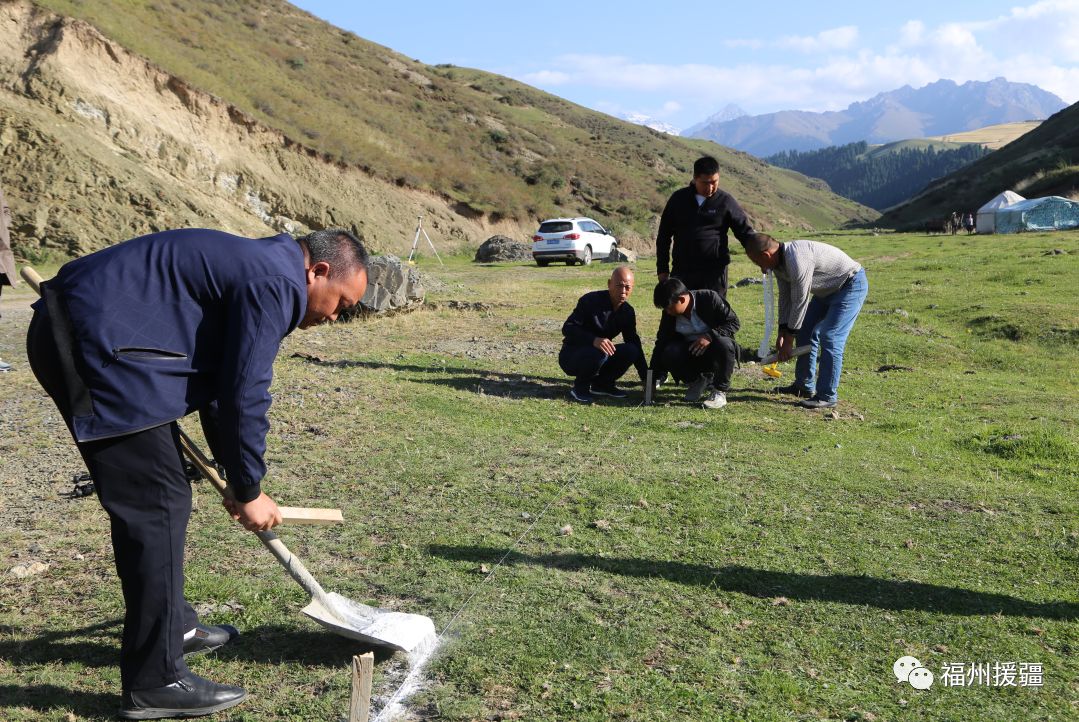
501 248
392 286
621 255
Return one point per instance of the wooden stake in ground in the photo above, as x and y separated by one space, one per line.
363 669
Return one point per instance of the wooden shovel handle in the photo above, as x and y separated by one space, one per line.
289 514
33 278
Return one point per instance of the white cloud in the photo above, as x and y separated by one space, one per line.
834 39
839 38
911 33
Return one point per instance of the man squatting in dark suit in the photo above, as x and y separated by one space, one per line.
589 353
131 338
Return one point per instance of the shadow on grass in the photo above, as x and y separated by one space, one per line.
90 647
519 386
48 698
842 588
491 383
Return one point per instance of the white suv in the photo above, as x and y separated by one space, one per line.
573 240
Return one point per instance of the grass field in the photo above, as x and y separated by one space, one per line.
991 136
760 562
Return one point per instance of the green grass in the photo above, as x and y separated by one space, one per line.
762 562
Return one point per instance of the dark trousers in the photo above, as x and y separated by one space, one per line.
140 482
718 359
710 280
588 365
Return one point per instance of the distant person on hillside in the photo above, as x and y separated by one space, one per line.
7 259
695 341
589 352
692 240
821 291
968 222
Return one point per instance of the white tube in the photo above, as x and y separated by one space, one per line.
769 314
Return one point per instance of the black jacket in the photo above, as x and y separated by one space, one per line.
699 233
712 309
595 317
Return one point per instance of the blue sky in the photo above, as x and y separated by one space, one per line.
681 63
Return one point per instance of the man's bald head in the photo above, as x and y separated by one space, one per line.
620 285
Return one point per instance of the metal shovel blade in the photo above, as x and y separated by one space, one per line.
401 631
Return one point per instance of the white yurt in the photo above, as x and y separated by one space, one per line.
987 214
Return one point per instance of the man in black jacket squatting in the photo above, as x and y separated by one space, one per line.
589 353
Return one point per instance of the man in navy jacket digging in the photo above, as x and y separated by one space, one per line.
589 352
131 338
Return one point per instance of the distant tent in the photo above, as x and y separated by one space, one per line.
1052 213
987 214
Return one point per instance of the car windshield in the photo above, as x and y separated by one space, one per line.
556 227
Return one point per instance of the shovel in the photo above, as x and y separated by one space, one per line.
400 631
404 632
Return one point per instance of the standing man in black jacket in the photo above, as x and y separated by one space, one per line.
695 341
589 352
697 218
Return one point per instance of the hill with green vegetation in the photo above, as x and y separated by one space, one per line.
493 148
1042 162
880 176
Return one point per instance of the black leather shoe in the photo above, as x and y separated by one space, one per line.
191 696
207 639
794 390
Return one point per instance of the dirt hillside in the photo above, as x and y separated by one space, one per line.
98 145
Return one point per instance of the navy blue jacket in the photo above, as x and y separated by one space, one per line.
172 322
595 317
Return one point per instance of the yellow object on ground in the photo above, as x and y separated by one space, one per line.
771 370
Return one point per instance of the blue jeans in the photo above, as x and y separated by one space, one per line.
827 325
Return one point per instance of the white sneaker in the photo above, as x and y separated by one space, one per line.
695 389
716 400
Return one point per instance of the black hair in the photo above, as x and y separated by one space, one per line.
759 243
337 247
705 166
667 292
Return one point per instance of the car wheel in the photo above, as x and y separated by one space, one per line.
586 258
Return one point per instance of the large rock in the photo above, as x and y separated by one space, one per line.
501 248
392 285
621 255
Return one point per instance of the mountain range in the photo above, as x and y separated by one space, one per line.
935 109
